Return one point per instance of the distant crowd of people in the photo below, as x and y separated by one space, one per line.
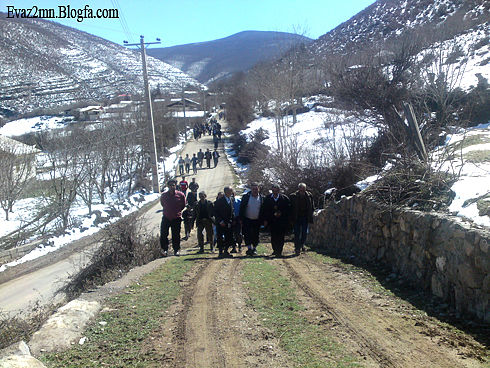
186 163
230 221
211 127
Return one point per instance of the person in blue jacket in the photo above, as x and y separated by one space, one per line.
237 227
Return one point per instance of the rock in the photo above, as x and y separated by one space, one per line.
459 298
23 348
469 277
416 235
20 361
468 248
386 231
458 232
19 348
440 264
484 245
63 327
486 285
403 225
477 239
482 263
435 224
436 287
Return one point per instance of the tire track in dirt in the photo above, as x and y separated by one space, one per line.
385 337
241 332
195 335
211 325
367 345
229 333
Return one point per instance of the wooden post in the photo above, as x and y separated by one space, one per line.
416 137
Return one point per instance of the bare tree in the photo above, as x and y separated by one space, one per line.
17 165
441 73
65 175
280 86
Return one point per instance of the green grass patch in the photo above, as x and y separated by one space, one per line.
470 140
483 206
130 317
274 298
477 157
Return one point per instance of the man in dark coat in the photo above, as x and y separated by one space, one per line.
208 156
224 217
204 212
194 162
301 215
276 213
173 202
250 217
215 157
188 215
193 186
200 157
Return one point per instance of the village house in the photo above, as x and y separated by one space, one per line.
90 113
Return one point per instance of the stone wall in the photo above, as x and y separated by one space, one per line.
439 253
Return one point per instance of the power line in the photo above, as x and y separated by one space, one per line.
122 19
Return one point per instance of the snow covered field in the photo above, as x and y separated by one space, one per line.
31 125
313 129
474 180
86 225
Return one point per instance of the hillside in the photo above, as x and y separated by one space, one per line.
212 60
387 19
47 65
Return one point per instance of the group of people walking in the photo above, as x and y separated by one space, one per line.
229 220
186 163
211 127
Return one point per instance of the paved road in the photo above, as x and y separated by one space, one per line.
39 281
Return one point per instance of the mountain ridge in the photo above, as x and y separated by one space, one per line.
386 19
212 60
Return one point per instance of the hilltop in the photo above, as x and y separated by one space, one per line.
217 59
48 66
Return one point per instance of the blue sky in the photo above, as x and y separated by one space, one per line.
186 21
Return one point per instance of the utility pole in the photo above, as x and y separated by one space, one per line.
149 113
204 101
183 110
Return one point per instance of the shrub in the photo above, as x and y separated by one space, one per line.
125 245
410 183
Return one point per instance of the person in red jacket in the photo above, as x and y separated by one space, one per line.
183 185
173 202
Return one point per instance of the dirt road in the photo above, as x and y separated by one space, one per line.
213 323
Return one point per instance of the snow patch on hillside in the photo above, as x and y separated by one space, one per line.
314 129
321 130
